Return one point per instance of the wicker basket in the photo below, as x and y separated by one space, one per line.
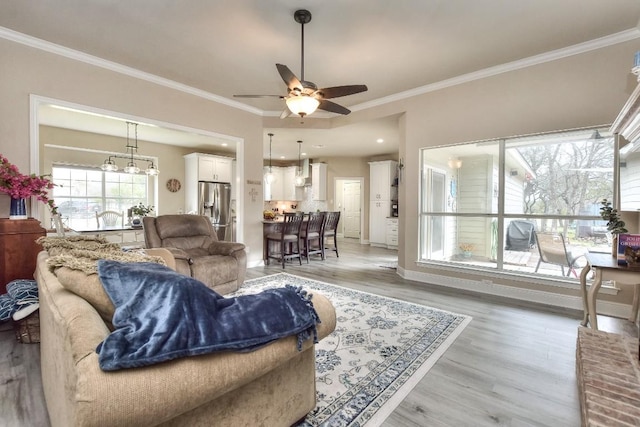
28 329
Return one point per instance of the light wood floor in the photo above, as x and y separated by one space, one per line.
514 364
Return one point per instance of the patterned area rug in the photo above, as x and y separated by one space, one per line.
379 351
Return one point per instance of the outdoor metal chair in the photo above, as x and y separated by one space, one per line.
553 250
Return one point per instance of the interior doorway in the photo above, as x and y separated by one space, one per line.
349 200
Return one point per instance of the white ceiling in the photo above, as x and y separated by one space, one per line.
394 47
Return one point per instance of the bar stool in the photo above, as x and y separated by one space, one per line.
330 230
312 233
287 237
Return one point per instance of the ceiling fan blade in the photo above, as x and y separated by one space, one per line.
333 107
259 96
289 78
337 91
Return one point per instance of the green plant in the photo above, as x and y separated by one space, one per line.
141 210
614 224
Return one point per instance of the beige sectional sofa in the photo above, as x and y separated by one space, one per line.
273 386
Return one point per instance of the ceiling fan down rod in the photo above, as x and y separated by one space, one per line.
302 16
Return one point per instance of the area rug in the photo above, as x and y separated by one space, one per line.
379 351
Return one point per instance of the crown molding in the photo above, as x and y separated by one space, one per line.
76 55
56 49
613 39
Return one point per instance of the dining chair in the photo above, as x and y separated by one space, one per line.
552 248
331 220
110 219
311 235
286 238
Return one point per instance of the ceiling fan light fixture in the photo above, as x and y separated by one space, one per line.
302 105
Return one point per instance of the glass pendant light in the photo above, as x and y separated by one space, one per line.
299 176
269 177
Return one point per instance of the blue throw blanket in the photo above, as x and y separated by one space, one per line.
161 315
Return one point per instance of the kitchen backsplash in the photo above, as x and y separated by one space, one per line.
306 205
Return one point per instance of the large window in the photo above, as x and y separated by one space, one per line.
485 204
81 192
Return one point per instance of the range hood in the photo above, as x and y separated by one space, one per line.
306 171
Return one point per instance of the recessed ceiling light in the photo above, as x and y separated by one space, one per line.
304 154
379 140
224 144
282 157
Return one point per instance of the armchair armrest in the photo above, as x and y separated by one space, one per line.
179 254
225 248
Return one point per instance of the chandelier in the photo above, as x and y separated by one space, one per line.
110 165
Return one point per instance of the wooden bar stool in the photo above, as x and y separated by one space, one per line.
312 233
288 237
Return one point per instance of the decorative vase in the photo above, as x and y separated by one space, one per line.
18 209
466 254
136 221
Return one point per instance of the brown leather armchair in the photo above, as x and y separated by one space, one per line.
198 252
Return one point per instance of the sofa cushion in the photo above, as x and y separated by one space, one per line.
162 315
219 268
89 288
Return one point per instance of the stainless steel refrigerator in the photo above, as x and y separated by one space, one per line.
214 202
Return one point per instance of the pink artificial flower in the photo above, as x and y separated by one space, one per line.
20 186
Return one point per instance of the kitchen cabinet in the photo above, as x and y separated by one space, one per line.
283 187
391 233
204 167
378 213
382 176
209 167
382 194
319 181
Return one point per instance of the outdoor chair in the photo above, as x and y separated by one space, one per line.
553 250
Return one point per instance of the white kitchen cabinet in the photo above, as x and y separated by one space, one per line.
273 191
381 179
289 183
208 167
211 168
204 167
378 213
382 175
283 187
392 233
319 181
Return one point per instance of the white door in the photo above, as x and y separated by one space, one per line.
351 209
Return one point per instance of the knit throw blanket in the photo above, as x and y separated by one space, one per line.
162 315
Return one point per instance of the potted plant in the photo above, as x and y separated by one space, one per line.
614 224
467 249
138 212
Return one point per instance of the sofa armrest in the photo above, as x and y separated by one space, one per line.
225 248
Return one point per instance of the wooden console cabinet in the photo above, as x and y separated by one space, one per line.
18 249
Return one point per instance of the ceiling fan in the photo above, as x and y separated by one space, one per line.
303 97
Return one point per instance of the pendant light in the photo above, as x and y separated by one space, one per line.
299 176
269 177
109 165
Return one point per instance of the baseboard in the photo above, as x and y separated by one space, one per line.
521 294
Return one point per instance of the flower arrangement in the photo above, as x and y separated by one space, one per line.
467 247
141 210
20 186
614 224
